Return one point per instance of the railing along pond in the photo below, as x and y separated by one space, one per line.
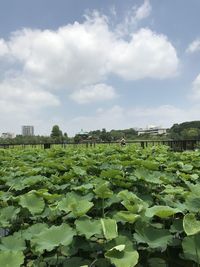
176 145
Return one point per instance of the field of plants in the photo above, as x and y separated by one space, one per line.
103 206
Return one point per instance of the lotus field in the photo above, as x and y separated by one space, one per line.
103 206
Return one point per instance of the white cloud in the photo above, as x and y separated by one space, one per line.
3 48
94 93
147 55
79 58
143 11
194 46
132 19
195 93
18 94
86 53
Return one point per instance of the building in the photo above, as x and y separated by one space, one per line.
7 135
27 130
152 130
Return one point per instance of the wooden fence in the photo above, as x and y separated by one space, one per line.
176 145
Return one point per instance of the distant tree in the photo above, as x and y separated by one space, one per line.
185 130
190 133
56 134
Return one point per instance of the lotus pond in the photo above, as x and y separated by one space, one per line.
104 206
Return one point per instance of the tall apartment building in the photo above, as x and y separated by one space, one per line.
27 130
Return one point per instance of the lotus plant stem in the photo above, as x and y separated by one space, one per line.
103 214
92 263
197 255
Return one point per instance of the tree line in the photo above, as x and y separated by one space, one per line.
182 131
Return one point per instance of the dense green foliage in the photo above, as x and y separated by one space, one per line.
103 206
185 130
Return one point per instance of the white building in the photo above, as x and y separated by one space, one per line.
152 130
7 135
27 130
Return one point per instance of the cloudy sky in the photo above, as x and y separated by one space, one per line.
98 64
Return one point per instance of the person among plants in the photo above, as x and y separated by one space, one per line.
123 141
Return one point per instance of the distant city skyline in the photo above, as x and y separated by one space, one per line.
98 64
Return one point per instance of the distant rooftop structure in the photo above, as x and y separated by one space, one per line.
82 133
7 135
27 130
152 130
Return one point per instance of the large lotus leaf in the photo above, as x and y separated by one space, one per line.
121 239
186 168
121 258
86 226
53 237
34 230
126 216
131 202
12 243
155 238
103 191
169 189
47 196
191 247
109 227
193 203
81 208
111 173
32 202
78 207
161 211
32 180
83 187
7 215
79 171
150 165
190 224
11 258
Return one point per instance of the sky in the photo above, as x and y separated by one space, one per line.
98 64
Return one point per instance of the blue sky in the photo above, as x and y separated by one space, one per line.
98 64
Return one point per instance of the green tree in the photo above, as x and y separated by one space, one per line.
56 133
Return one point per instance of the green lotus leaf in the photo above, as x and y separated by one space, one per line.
121 258
32 180
86 226
12 243
79 171
121 239
32 202
186 168
34 230
191 247
131 202
53 237
109 227
103 190
155 238
193 203
126 216
81 208
161 211
111 173
190 224
7 215
11 258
